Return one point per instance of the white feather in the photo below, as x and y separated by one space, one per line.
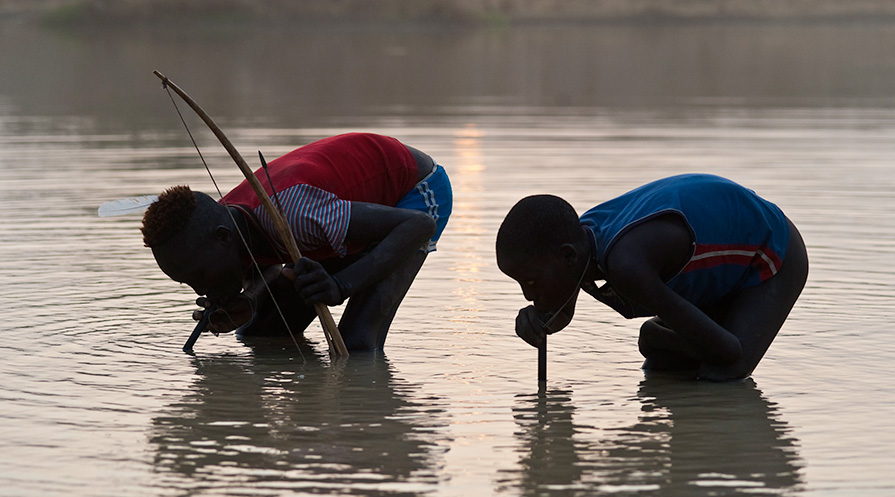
126 206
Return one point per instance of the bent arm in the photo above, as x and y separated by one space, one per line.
709 341
638 266
397 233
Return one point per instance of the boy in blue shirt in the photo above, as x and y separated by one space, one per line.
716 267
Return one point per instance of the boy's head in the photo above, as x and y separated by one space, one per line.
542 246
193 240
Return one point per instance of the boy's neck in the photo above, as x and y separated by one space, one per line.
589 248
256 240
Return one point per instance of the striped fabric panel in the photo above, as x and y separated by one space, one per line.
318 219
708 256
431 207
428 198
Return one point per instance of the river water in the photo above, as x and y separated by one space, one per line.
97 399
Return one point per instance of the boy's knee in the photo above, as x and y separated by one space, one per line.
362 338
649 333
737 371
644 345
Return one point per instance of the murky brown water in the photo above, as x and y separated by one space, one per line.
97 399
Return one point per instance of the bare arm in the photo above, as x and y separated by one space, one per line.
398 234
639 263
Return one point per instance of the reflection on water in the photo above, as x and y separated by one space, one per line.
719 439
551 451
692 438
274 424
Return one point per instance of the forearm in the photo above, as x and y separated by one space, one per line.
395 249
700 336
656 336
707 340
641 262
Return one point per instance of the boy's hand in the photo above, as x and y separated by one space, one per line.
227 316
313 284
530 327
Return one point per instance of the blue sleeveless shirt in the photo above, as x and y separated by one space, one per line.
739 239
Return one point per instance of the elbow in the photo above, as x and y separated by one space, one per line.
423 227
726 354
729 366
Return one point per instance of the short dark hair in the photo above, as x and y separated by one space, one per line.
168 216
537 224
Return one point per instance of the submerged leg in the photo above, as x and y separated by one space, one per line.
266 320
756 314
369 313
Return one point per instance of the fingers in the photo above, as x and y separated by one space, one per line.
225 317
529 327
314 285
198 313
309 274
323 290
289 273
228 319
306 270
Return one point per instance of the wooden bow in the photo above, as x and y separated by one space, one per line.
330 330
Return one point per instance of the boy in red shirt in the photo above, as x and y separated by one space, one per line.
365 211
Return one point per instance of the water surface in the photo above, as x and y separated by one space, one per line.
97 398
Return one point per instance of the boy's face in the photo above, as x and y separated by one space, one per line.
547 280
213 270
